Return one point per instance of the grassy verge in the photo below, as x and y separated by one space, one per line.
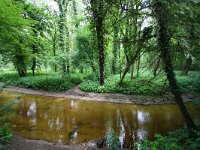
51 82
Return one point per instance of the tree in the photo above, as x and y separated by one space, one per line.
15 39
161 10
98 11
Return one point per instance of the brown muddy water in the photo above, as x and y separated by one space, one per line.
78 122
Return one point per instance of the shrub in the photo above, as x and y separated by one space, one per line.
46 83
136 86
112 141
177 140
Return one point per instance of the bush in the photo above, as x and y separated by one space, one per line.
137 86
177 140
5 133
143 85
51 82
189 83
47 83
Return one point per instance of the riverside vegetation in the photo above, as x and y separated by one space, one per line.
133 47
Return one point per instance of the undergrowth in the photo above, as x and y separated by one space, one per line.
144 85
176 140
50 82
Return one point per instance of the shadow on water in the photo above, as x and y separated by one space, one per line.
76 122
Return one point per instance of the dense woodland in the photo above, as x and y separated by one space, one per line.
143 47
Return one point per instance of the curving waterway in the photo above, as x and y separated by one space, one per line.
75 122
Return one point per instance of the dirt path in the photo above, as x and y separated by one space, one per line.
76 93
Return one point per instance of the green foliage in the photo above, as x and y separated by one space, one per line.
177 140
5 132
42 82
137 86
112 141
189 83
5 136
143 85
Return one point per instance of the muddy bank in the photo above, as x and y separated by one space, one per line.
76 93
26 144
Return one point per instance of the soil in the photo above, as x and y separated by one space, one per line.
75 93
26 144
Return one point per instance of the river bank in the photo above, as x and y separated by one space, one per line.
76 93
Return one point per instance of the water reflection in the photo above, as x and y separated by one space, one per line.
73 121
31 113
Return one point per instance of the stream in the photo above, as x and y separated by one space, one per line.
79 122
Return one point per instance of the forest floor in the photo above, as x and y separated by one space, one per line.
76 93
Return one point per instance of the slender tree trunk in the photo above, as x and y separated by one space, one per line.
67 49
138 66
187 65
34 61
54 50
115 49
163 44
132 71
156 66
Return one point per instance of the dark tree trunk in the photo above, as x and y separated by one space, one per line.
34 61
33 66
100 37
187 66
20 64
54 49
163 44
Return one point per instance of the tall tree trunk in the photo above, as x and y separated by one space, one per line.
34 61
67 49
61 34
19 63
54 48
100 37
163 44
115 49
